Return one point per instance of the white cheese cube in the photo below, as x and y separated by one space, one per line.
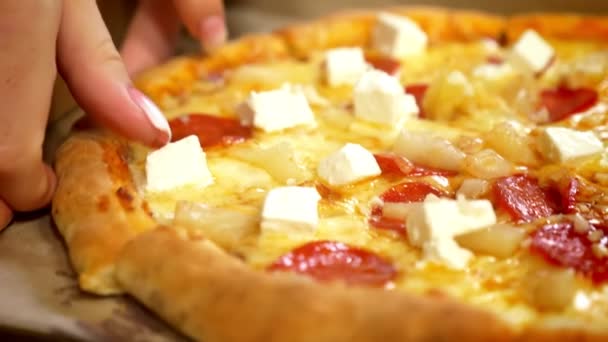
350 164
531 51
290 209
344 66
398 36
380 98
276 110
560 144
433 224
177 164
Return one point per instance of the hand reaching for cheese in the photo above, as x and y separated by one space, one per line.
39 38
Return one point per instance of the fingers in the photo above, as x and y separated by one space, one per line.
97 78
6 215
205 20
27 73
151 36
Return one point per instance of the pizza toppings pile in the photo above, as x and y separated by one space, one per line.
465 168
438 164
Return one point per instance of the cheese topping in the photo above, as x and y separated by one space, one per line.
177 164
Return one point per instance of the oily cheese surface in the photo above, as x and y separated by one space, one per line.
499 285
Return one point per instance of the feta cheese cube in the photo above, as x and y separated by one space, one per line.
177 164
532 52
350 164
276 110
344 66
560 144
380 98
433 224
398 36
290 209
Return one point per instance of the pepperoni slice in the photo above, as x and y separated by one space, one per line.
409 192
211 130
559 244
418 90
385 63
562 102
522 197
332 261
569 194
392 164
387 223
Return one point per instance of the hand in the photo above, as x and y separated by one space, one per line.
39 38
153 32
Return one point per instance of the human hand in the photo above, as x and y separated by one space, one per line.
37 38
153 32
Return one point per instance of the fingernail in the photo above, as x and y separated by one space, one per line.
154 115
213 32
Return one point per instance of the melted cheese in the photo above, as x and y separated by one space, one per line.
494 284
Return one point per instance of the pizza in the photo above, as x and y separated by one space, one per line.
411 174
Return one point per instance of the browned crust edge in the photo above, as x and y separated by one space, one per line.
96 207
211 296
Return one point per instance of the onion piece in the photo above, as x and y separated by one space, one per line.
228 228
550 289
512 141
279 160
499 240
473 188
428 150
487 164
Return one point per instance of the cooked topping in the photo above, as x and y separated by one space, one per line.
291 209
350 164
433 224
447 97
387 64
487 164
499 240
418 90
560 244
532 52
560 144
492 71
512 141
276 110
398 36
310 92
210 130
550 289
280 160
426 149
227 227
379 97
562 102
177 164
335 261
473 188
392 164
410 192
522 198
344 66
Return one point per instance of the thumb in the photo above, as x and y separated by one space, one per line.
97 77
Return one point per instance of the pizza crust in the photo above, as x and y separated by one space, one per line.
218 298
209 294
96 207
